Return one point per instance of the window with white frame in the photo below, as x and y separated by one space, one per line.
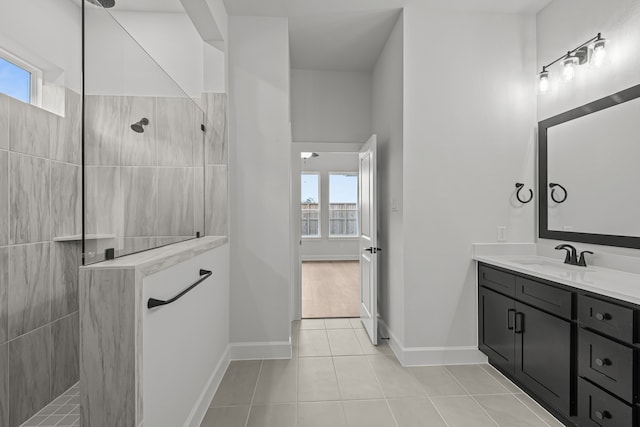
310 205
343 204
19 79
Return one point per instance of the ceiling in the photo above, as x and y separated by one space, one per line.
347 42
348 35
291 8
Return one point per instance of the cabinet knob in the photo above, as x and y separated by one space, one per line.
601 415
603 316
603 362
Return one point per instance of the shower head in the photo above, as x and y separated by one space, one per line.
107 4
138 126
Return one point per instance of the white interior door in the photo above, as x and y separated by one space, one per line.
368 239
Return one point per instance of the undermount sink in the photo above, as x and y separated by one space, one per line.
551 266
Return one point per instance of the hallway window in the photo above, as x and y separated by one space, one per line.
343 204
310 205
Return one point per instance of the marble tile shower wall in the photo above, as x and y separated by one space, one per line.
147 189
216 164
40 181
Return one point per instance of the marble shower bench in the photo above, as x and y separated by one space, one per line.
154 366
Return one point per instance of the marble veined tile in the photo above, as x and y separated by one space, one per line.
29 199
66 144
29 290
4 122
175 202
107 324
103 203
178 131
216 200
66 200
216 135
65 336
28 129
65 262
4 296
140 192
4 384
4 196
104 121
198 201
29 374
139 149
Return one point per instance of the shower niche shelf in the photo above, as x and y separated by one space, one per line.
78 237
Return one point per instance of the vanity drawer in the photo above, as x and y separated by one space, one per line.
606 363
545 297
598 408
610 319
497 280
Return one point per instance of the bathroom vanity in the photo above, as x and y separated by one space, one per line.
568 336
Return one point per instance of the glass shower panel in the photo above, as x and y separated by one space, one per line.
143 145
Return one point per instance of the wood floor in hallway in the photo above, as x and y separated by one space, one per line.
330 289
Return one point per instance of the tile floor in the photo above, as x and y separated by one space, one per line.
338 379
64 411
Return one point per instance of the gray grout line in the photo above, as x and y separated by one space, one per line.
534 412
255 388
473 398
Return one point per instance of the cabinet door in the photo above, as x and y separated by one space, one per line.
543 356
496 320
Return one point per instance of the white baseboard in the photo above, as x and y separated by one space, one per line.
329 257
429 356
202 405
261 350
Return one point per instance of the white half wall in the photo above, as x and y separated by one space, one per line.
330 106
387 107
558 30
469 116
259 179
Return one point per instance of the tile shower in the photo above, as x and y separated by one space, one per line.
41 179
40 166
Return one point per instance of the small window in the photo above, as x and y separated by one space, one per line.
310 205
343 205
19 79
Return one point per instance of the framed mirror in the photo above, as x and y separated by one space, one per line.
589 172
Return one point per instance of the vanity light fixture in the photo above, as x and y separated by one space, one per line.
592 51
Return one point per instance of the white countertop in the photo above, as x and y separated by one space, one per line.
612 283
154 260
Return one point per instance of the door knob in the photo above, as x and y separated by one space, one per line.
603 362
373 250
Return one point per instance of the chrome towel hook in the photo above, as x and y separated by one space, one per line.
552 185
519 186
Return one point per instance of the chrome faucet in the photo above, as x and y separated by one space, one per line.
572 255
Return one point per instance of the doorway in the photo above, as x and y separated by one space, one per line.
329 230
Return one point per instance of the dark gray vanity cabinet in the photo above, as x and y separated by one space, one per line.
607 363
575 352
525 329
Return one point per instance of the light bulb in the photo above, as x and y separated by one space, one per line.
543 81
569 69
599 52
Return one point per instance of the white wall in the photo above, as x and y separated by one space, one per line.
330 106
46 33
469 116
325 248
260 144
387 125
558 30
172 41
